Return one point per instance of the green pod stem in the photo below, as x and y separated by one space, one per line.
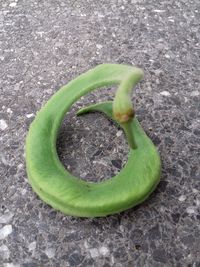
69 194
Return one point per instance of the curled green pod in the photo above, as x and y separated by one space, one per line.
69 194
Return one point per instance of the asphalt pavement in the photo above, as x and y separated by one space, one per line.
44 45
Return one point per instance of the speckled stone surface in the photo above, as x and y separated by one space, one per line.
45 44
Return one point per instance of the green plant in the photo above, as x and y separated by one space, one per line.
69 194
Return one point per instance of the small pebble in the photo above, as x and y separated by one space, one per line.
101 162
165 93
99 46
195 191
3 125
9 111
190 210
4 252
195 93
13 4
4 160
94 253
119 133
159 10
167 56
16 87
5 218
32 246
5 231
182 198
29 115
103 251
50 252
20 166
23 192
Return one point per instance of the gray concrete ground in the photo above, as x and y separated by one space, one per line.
45 44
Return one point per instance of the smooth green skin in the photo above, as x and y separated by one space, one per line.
69 194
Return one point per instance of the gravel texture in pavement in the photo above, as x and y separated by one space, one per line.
45 44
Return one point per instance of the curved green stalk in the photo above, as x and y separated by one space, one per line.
122 106
69 194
